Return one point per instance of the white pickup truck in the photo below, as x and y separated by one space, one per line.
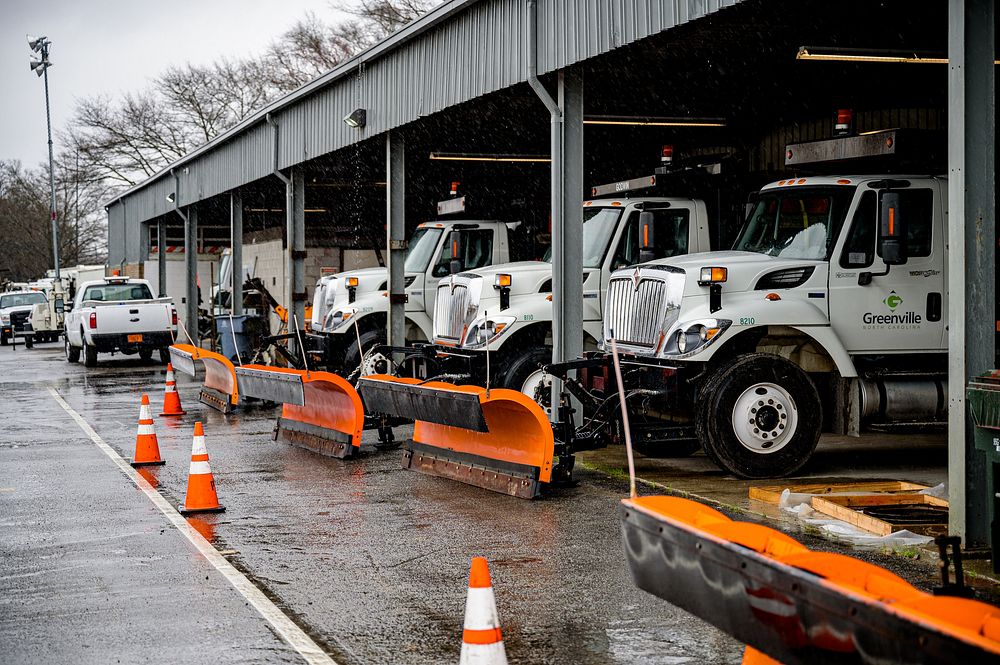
119 314
15 311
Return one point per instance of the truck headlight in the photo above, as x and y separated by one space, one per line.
338 318
485 331
5 319
691 337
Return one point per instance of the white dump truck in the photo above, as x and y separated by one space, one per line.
355 304
509 307
827 315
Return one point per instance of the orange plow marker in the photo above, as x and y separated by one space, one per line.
500 439
320 411
220 390
790 604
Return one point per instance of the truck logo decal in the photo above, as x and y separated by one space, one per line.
892 301
636 280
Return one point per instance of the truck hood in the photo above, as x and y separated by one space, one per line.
744 268
526 276
7 311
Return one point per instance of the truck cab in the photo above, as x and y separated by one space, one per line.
354 304
509 307
15 311
828 314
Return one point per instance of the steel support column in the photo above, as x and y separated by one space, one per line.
567 229
971 258
161 257
395 154
236 243
297 252
191 272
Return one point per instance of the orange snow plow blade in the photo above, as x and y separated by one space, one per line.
499 440
219 390
320 411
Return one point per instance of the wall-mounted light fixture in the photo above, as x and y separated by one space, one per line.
171 197
653 121
844 54
473 157
357 118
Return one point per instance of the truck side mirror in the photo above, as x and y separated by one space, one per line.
455 244
892 231
60 306
646 237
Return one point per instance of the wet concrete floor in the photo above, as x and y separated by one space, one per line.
370 560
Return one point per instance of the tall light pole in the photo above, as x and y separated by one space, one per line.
40 45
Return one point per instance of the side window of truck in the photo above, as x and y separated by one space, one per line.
916 207
477 251
670 237
859 250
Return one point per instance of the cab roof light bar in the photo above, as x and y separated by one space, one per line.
485 157
653 121
845 54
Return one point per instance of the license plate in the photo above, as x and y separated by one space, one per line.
135 338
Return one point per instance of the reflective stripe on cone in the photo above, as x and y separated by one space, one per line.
482 641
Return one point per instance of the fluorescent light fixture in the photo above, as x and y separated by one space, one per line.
653 121
843 54
472 157
357 118
283 210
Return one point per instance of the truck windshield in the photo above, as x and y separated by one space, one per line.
598 228
21 299
422 246
796 223
117 292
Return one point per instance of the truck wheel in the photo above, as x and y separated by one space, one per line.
3 340
520 372
760 417
352 359
164 356
72 352
146 355
89 355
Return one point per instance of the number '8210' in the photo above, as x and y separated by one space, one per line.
747 320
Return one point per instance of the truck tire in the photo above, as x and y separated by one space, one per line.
3 340
759 417
520 371
146 355
352 358
89 355
164 356
72 352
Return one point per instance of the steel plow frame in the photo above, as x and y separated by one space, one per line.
320 411
497 439
220 389
790 603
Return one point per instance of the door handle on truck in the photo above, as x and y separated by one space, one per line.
133 311
933 306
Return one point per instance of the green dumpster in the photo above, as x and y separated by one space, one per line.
983 396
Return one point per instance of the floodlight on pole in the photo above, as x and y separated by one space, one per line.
41 46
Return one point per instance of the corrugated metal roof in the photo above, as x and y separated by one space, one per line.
411 74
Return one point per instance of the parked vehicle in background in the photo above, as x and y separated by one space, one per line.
15 309
119 314
46 318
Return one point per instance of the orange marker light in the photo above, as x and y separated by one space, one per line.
772 297
892 222
713 275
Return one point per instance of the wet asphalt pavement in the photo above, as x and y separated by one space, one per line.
370 560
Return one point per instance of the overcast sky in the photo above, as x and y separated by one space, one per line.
115 46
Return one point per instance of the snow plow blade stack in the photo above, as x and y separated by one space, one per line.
320 411
790 603
219 390
499 439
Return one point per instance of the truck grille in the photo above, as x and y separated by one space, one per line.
635 312
19 321
450 310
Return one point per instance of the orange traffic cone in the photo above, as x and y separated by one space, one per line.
482 643
147 450
201 496
171 400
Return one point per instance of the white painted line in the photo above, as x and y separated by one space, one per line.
286 628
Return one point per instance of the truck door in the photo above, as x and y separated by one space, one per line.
903 310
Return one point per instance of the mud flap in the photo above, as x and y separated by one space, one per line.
792 604
220 389
500 440
320 411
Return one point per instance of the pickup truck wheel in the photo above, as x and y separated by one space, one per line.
72 352
146 355
760 417
89 355
521 372
164 356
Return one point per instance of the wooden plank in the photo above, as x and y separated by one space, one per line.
846 508
772 493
